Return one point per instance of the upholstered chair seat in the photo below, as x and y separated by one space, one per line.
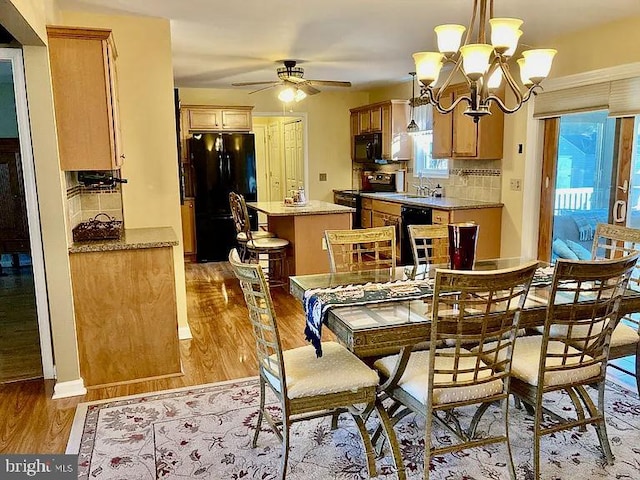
255 234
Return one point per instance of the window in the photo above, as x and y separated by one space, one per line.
424 164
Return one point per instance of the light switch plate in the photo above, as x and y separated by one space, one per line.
515 184
323 177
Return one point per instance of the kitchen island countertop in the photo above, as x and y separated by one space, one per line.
132 238
313 207
444 203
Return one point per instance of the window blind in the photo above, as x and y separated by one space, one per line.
572 100
624 98
620 97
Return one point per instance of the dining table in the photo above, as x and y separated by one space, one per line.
371 329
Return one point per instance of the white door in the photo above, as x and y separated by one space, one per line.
290 156
276 190
262 167
299 153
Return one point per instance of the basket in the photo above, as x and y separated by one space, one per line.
96 229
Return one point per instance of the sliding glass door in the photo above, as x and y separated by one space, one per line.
591 175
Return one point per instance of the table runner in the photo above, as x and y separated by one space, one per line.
318 302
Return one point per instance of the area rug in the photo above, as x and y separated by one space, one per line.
206 431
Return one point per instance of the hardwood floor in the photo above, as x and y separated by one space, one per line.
19 337
222 348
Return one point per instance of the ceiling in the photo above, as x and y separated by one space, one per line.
367 42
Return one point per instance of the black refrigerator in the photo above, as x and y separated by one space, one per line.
222 163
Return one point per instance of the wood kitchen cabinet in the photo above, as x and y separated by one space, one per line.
391 119
85 92
455 135
385 214
126 315
204 118
366 216
187 211
489 221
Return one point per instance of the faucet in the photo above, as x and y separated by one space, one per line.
424 190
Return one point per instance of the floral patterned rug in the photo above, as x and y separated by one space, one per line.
205 432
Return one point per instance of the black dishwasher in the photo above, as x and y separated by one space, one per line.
411 215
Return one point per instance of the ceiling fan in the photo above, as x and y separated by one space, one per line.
292 76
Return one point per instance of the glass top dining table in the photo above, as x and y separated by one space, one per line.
378 329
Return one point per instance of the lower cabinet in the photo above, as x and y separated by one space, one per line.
388 214
489 221
126 315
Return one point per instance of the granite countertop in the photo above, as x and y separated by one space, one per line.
445 203
313 207
132 238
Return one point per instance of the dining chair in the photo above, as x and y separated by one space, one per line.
611 241
253 243
468 307
430 244
573 350
307 387
361 249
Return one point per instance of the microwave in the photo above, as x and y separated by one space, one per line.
367 147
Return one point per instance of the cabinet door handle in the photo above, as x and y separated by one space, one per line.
122 156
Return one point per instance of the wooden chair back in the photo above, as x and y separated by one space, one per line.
614 241
262 317
240 214
481 308
583 310
362 249
430 244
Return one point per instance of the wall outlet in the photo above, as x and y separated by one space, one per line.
515 184
324 243
323 177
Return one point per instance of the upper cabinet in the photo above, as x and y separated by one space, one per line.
203 118
455 135
85 94
389 118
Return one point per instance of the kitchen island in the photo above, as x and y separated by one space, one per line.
124 297
304 227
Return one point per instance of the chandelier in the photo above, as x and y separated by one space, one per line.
483 65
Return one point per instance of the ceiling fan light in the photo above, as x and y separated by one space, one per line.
449 37
300 95
475 59
287 95
428 66
505 33
538 63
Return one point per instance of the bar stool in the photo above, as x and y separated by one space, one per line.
252 244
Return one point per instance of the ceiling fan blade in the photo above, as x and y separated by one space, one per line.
296 80
247 84
265 88
329 83
307 88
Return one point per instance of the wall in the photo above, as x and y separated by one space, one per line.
145 86
327 119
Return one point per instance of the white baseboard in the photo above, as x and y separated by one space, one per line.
184 333
69 389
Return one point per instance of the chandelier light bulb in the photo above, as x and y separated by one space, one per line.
475 59
538 63
287 95
510 51
495 79
428 66
449 37
505 33
524 73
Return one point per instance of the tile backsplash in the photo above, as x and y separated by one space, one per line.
468 179
85 203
